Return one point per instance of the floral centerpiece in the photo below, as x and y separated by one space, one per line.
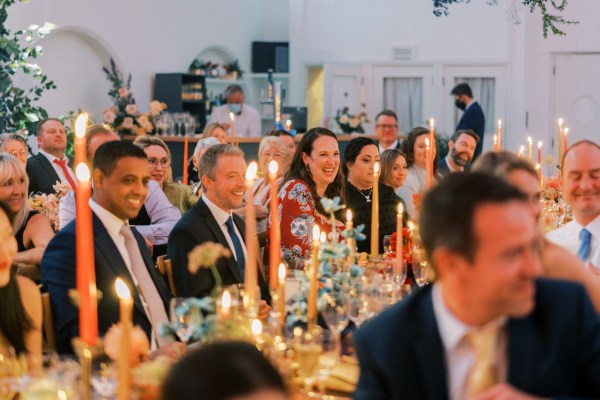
124 115
349 123
48 204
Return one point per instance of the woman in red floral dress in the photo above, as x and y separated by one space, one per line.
314 174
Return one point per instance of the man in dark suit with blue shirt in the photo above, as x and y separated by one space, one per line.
222 172
488 327
120 177
472 117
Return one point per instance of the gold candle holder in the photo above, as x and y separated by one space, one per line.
86 353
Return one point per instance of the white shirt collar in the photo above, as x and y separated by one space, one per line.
390 147
593 226
451 329
450 168
220 215
111 222
51 158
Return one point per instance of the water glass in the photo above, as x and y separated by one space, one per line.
187 319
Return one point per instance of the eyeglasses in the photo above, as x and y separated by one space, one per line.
164 162
386 126
18 152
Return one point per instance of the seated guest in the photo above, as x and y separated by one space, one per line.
270 148
223 174
386 129
50 164
580 181
201 147
157 216
215 130
461 148
286 137
224 371
32 230
120 175
159 159
488 327
393 168
414 147
247 119
557 262
314 173
21 316
14 144
359 158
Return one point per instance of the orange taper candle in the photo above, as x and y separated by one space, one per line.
274 234
250 272
185 159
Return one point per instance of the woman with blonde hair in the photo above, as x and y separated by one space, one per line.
215 130
159 159
32 230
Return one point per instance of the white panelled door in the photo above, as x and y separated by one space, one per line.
576 94
342 87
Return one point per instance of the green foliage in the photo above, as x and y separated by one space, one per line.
18 112
549 21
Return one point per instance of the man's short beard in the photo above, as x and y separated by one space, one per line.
457 160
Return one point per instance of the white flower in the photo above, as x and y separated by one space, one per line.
206 255
131 109
127 123
109 116
344 119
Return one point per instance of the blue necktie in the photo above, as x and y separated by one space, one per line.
584 250
237 246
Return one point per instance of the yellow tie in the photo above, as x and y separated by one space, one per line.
483 374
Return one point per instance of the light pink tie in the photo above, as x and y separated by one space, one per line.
148 290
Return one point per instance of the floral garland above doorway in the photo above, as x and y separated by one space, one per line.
549 21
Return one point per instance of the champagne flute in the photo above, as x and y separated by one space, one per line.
308 348
420 266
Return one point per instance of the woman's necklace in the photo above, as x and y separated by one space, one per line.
367 197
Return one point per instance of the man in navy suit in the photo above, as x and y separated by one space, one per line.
222 172
461 148
386 129
472 117
121 178
50 164
487 327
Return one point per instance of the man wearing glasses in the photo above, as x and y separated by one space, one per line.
386 128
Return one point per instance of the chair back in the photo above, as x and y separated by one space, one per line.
48 323
165 268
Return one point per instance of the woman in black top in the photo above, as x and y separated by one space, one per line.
359 160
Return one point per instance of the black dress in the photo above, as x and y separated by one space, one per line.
21 231
356 200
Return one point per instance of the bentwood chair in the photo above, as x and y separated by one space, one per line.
165 268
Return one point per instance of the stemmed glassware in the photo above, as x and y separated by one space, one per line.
308 347
186 319
420 266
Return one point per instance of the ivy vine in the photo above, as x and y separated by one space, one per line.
18 112
548 8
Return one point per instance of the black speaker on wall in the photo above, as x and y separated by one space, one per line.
270 55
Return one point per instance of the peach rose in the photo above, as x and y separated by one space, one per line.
127 123
109 116
131 109
123 92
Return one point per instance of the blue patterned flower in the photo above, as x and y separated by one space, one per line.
330 205
300 226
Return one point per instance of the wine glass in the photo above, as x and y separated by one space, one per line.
308 346
104 382
420 266
186 319
329 357
334 311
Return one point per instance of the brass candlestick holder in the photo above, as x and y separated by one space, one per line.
86 353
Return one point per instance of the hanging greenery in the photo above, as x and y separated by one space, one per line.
18 112
549 21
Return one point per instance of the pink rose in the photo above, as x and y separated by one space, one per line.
140 346
127 123
131 109
123 92
109 116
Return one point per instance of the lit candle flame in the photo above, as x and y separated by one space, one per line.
560 122
529 140
122 289
539 145
323 237
400 209
348 215
538 166
427 142
376 169
232 116
522 149
273 167
316 232
80 124
411 225
495 140
256 327
226 300
82 172
499 123
282 272
251 171
566 131
431 123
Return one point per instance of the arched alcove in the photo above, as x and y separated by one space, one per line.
73 58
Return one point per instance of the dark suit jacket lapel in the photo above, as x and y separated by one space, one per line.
104 244
429 350
216 230
48 168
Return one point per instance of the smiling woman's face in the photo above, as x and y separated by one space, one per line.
324 161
